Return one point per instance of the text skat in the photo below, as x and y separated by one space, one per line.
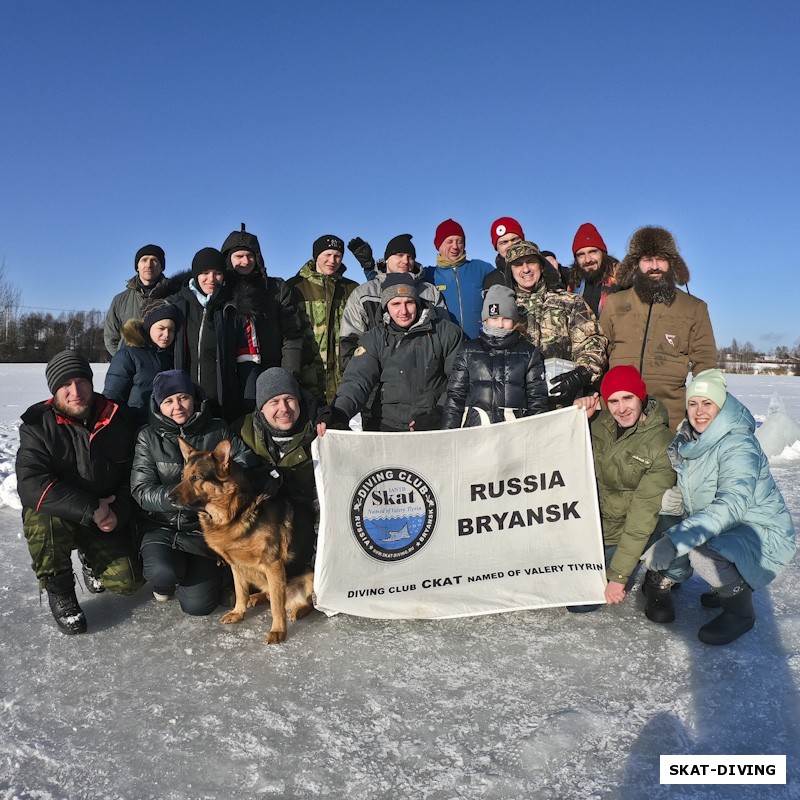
514 486
494 523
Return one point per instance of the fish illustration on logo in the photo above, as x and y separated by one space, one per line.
393 513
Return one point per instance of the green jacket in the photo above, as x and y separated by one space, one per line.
320 301
292 460
633 472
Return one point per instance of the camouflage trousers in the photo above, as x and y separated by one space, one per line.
113 557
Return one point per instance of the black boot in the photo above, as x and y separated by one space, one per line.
737 616
658 593
92 583
710 600
64 604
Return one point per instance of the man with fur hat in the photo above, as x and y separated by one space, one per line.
269 330
408 358
661 330
73 472
280 432
148 283
320 292
458 278
593 274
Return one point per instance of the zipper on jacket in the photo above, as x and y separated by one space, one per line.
200 346
644 341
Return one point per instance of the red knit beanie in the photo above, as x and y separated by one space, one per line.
447 228
587 236
623 379
502 226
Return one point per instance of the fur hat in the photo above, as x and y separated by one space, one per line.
398 284
172 381
150 250
504 225
447 228
588 236
652 241
500 301
274 381
400 244
709 383
623 379
327 242
65 366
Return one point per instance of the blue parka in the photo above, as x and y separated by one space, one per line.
462 287
730 497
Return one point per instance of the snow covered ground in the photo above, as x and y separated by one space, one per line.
544 704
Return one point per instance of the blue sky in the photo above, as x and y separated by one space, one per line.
168 122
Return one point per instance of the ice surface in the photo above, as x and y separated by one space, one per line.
546 704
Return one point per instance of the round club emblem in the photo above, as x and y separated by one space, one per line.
393 513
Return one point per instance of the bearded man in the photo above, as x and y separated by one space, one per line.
593 274
73 476
661 330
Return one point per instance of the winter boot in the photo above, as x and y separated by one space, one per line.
585 609
92 583
658 593
710 600
64 604
737 615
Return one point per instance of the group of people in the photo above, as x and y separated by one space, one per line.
226 351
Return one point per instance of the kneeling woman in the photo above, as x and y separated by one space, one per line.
738 533
175 556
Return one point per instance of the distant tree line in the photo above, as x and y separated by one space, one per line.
37 336
745 358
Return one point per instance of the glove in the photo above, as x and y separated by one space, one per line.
567 385
363 253
429 421
672 502
332 418
660 555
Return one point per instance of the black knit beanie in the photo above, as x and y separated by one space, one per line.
327 242
400 244
150 250
64 366
209 258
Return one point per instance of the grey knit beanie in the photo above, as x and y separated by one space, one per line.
500 302
275 381
64 366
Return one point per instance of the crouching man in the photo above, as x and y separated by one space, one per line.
280 431
73 470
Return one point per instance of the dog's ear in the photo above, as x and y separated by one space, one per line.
186 449
222 455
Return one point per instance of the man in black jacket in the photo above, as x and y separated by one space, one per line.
76 495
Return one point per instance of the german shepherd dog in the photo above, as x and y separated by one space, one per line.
251 531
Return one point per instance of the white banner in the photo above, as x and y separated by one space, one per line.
455 523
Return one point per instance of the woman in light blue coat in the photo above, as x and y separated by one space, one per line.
737 533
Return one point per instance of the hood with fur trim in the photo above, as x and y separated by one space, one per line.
652 241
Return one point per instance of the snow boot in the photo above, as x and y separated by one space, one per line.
658 594
68 614
92 583
710 600
737 615
585 609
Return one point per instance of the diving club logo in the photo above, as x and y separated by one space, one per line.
393 513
